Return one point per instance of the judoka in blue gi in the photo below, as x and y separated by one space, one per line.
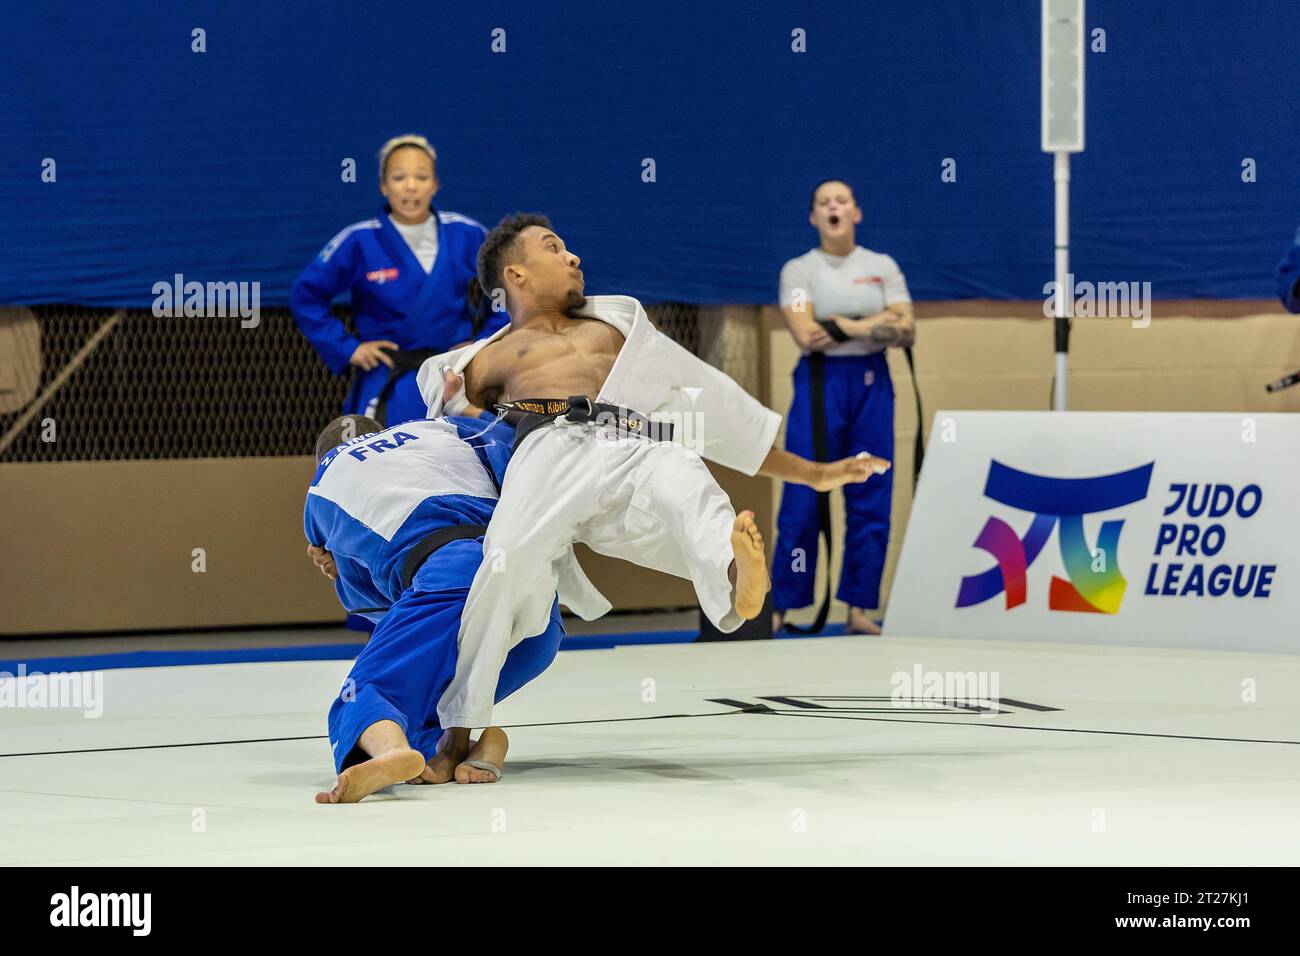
410 272
396 517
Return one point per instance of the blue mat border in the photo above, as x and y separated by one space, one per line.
324 652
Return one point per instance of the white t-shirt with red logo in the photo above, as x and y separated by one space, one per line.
859 284
423 240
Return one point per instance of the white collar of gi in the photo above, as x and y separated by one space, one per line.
620 311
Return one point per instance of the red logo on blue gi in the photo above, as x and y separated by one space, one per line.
382 275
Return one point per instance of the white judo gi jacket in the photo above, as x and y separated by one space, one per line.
652 375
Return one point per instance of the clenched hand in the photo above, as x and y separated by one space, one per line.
323 560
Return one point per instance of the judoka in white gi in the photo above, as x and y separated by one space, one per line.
604 481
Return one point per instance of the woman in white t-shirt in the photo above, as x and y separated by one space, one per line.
844 306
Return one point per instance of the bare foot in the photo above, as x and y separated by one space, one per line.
860 622
363 779
490 749
751 566
453 747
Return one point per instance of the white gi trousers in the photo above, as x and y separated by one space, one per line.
653 503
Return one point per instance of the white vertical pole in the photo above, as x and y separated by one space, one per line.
1064 281
1063 52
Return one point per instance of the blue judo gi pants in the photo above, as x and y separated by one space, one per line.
859 405
410 659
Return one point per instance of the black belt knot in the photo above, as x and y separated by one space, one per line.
530 414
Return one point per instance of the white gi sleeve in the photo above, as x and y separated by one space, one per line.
654 375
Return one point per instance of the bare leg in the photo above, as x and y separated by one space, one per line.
490 748
391 761
748 571
453 747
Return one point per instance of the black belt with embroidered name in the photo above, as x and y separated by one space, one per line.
530 414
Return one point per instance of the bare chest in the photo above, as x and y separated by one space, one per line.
587 342
573 360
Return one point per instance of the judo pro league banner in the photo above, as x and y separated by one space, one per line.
1173 530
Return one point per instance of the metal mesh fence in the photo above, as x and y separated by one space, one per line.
83 384
730 339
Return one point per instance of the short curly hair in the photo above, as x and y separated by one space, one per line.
499 248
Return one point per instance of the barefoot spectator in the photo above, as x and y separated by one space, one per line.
844 305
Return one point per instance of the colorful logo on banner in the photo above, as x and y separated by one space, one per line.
1095 584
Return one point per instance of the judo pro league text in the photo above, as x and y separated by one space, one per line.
1201 516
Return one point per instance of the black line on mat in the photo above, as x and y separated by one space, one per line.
792 702
272 740
1058 730
1027 706
741 709
198 743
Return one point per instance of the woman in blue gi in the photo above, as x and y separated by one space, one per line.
844 306
411 274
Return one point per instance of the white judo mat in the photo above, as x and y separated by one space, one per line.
786 752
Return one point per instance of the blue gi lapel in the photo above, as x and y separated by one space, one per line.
428 288
392 242
433 288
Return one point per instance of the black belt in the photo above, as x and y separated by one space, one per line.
420 552
833 329
529 414
404 360
918 449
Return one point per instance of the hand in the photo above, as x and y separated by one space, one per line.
890 329
370 355
848 471
451 383
323 560
812 336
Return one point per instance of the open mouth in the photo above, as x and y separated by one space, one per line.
834 220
